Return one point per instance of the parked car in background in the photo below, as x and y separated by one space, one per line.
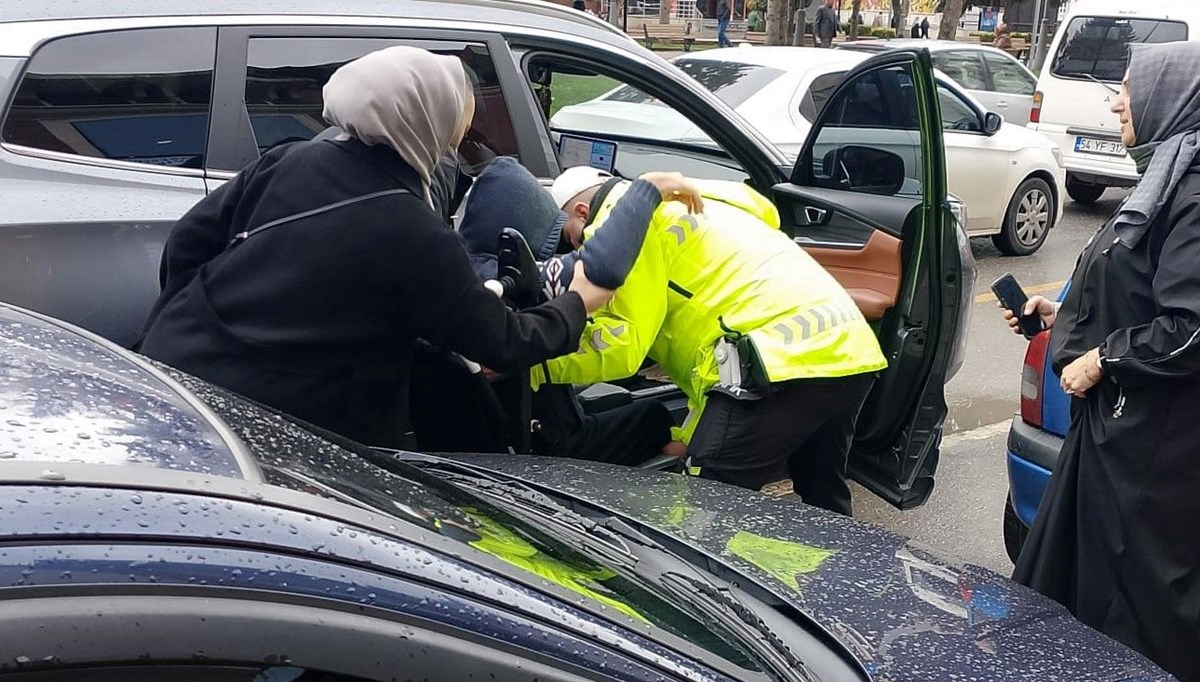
158 528
1034 441
122 113
1009 178
1082 75
994 77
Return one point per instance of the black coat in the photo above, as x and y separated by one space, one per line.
318 317
1117 538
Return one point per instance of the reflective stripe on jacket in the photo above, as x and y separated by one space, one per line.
733 266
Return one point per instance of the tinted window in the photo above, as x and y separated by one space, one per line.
733 82
1099 46
818 94
128 95
1008 76
956 113
869 139
284 77
964 67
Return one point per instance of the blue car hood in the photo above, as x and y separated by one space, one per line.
903 611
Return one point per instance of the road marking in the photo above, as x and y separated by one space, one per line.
1035 289
978 433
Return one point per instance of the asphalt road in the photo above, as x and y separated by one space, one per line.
963 516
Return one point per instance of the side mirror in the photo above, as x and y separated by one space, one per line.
864 169
991 123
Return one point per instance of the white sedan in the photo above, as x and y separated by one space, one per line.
1010 178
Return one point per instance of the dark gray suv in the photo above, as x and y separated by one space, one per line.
118 115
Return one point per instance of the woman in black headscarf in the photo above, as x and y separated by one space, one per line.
305 282
1117 537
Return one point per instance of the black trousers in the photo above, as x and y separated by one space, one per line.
805 427
628 435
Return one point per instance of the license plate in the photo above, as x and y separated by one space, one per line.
1089 145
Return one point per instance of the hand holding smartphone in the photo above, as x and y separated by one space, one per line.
1013 297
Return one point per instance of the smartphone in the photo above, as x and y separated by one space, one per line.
1013 297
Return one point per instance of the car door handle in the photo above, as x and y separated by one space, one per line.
1002 104
814 215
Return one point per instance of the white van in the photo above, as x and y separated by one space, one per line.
1082 75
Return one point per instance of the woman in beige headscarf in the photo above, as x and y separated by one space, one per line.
305 281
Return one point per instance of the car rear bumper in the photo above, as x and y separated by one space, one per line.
1098 169
1032 454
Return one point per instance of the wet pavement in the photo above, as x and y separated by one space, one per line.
963 516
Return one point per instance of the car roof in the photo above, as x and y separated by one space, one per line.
1173 9
931 45
779 57
447 9
528 14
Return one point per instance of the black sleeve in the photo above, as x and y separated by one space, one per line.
451 308
610 253
1167 346
200 235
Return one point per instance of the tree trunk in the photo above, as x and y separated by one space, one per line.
855 18
664 11
951 13
777 22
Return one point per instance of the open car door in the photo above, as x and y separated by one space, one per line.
867 198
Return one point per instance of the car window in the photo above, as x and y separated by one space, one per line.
284 78
141 96
733 82
1099 46
869 140
650 134
957 114
964 67
1008 76
818 93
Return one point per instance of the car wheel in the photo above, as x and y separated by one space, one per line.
1028 220
1084 192
1015 532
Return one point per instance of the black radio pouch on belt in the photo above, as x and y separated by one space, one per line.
740 367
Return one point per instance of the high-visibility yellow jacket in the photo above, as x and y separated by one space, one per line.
730 265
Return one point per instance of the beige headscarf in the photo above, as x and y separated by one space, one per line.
407 98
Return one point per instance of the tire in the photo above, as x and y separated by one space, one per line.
1015 532
1084 192
1028 220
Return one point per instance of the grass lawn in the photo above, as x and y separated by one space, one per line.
569 89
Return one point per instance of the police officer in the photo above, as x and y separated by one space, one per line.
773 354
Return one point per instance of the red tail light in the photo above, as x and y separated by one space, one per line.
1035 113
1032 378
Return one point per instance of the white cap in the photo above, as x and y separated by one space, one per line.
575 180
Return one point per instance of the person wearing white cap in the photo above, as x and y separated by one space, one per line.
775 358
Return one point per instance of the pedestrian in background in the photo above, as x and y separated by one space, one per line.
826 24
1003 40
1117 536
724 15
925 28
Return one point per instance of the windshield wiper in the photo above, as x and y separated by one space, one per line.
1101 83
720 606
518 498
